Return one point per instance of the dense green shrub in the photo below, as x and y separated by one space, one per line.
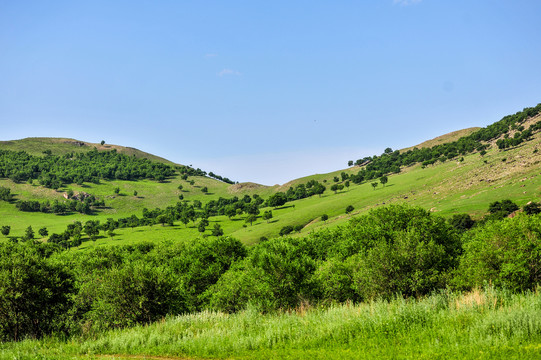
276 274
506 253
34 293
134 293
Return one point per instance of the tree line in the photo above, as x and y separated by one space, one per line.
53 171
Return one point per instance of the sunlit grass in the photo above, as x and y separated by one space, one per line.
488 324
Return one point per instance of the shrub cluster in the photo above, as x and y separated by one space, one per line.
395 250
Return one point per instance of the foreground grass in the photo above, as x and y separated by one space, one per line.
486 324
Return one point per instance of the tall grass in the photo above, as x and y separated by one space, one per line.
480 324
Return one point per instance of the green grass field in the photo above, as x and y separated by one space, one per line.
488 324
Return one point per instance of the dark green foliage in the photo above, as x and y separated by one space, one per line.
5 230
217 230
349 209
462 222
275 275
324 217
506 253
532 208
5 194
250 218
286 230
267 215
500 209
54 171
34 293
134 293
277 199
505 205
29 233
218 177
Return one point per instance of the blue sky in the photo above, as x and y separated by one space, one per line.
264 91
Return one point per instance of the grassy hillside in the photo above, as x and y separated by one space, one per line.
465 184
60 146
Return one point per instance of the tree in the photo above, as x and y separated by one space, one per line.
5 230
324 217
43 232
92 229
347 184
334 187
383 180
162 219
250 219
217 231
181 197
134 192
461 222
374 185
34 293
29 233
103 142
230 211
267 215
532 208
350 163
117 190
205 190
180 187
277 199
286 230
202 227
349 209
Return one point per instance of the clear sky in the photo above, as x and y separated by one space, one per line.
264 91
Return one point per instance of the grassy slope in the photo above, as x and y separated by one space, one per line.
447 188
59 146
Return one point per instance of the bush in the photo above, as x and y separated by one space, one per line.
34 294
506 253
134 293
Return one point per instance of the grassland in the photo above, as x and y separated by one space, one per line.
482 324
465 185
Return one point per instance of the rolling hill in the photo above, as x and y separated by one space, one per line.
457 183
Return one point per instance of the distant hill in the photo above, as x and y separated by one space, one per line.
460 172
442 139
59 146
